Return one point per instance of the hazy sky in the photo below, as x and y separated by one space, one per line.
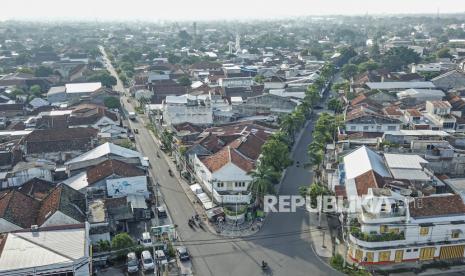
213 9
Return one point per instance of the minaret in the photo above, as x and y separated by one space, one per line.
238 43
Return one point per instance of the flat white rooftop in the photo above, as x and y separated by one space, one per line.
85 87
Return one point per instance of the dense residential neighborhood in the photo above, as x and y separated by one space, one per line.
330 145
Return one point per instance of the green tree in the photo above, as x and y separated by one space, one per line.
275 154
444 53
328 70
349 71
259 79
25 70
121 241
398 57
374 51
43 71
335 105
36 90
16 92
167 139
111 102
104 77
312 95
368 66
263 178
314 191
184 81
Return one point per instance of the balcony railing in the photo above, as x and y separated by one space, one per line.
368 237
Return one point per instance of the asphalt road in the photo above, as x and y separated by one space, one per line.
289 254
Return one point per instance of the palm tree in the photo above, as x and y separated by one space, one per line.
289 125
263 178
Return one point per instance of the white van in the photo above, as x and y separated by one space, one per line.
133 264
146 239
161 257
147 260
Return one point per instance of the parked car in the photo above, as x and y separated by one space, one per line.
132 262
161 257
146 239
182 253
147 260
161 212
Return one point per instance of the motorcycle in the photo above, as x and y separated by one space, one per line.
264 266
170 172
191 223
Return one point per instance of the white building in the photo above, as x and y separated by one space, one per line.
236 82
226 175
390 227
105 152
188 109
430 67
439 113
60 250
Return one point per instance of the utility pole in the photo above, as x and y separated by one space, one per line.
346 240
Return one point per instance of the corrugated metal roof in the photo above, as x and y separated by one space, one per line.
28 249
410 174
404 161
83 87
105 149
362 160
400 85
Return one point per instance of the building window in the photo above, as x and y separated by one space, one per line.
353 127
455 234
239 184
409 250
220 184
415 250
358 254
369 257
427 253
384 256
424 231
391 128
383 229
365 127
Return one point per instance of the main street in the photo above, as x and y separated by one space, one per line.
286 254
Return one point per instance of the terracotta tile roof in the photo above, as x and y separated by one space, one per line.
192 128
54 140
212 143
110 167
19 208
37 188
434 206
86 114
392 110
225 156
414 112
370 179
44 135
359 99
251 146
441 104
64 199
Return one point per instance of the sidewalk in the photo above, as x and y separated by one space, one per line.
320 236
